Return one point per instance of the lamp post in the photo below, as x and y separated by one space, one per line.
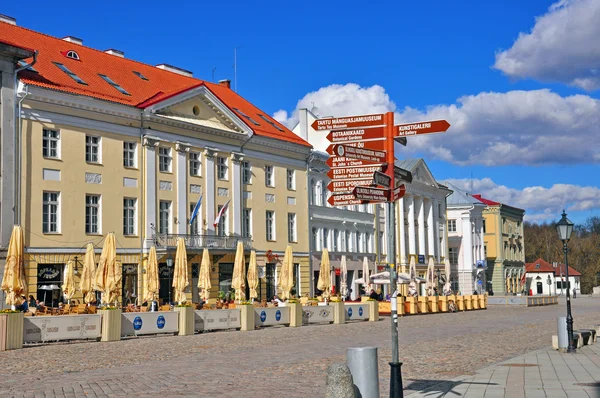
169 266
564 228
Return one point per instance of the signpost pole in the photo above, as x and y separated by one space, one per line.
396 389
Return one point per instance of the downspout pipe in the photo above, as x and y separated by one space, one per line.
142 209
309 160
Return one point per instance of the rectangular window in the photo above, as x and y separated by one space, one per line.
222 226
164 217
247 223
484 225
451 225
114 84
92 149
195 164
246 172
164 159
453 255
50 143
50 212
129 205
269 180
292 228
222 168
92 214
69 73
270 225
291 180
129 154
194 225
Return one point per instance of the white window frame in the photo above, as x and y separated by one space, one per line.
47 201
165 159
246 172
194 226
222 168
195 164
129 155
126 216
452 225
47 140
162 228
453 255
292 228
247 223
89 207
270 230
291 179
269 175
89 149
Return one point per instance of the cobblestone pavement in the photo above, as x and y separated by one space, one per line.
283 362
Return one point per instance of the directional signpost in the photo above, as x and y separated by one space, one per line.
434 126
382 179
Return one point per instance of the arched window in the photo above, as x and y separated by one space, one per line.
319 194
72 54
313 190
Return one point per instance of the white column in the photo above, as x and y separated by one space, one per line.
182 201
430 229
402 231
444 222
209 194
436 230
149 195
481 238
236 197
465 269
421 218
412 250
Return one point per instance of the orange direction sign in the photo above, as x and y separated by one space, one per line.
361 153
348 122
343 200
337 162
346 135
371 194
347 185
352 173
398 192
434 126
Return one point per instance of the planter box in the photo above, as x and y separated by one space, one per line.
359 312
411 305
400 303
186 320
11 331
422 305
247 315
272 316
218 319
460 303
373 311
111 325
443 304
482 302
475 298
295 314
141 323
385 307
314 314
339 313
432 304
468 302
56 328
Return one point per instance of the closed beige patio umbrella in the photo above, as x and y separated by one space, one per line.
366 276
238 280
13 280
180 273
152 282
412 286
344 277
108 275
204 276
447 285
324 282
87 274
68 286
252 276
430 276
287 273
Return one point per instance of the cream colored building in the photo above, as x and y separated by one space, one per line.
112 145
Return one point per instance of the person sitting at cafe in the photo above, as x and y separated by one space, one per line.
23 307
276 300
374 295
32 301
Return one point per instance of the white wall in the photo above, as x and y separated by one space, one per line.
552 289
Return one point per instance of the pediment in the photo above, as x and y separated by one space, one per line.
422 174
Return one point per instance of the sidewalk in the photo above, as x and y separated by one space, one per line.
543 373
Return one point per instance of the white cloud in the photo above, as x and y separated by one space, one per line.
562 46
518 127
540 203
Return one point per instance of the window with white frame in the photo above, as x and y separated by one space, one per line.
50 144
129 154
92 149
247 223
451 225
270 225
292 238
164 217
92 214
269 176
453 255
164 159
291 179
51 212
246 172
222 168
483 225
194 226
313 192
195 164
326 238
129 208
223 226
336 240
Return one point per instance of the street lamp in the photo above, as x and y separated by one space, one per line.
564 228
169 266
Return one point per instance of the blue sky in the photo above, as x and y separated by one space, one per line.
423 55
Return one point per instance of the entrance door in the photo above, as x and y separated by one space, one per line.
540 288
270 281
195 273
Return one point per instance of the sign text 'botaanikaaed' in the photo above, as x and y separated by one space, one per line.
339 136
434 126
353 172
347 122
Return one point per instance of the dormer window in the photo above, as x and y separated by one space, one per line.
537 266
73 55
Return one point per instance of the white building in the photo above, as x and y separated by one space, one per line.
465 240
544 278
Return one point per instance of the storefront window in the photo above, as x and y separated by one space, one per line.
225 276
129 283
270 281
165 276
49 280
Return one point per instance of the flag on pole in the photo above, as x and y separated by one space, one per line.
523 279
221 212
196 210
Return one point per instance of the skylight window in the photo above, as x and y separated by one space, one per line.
23 63
138 74
115 85
73 55
270 122
246 116
71 74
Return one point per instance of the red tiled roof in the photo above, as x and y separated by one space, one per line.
485 201
161 84
547 267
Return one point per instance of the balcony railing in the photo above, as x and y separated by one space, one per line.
167 241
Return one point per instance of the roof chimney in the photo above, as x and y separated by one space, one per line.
7 19
73 39
225 83
114 52
175 69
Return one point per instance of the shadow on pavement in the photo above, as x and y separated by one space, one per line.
439 388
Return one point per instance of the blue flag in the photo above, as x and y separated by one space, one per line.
196 210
